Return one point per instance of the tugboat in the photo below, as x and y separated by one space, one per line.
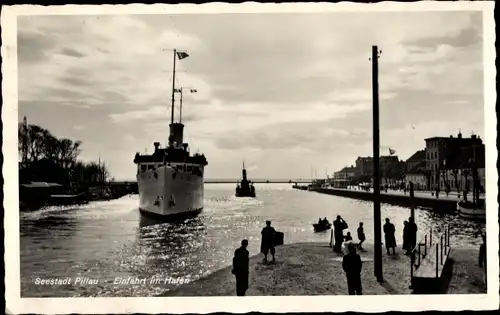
245 187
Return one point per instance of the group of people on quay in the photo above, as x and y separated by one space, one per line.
351 262
342 244
241 257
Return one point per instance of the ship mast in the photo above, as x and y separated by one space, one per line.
173 90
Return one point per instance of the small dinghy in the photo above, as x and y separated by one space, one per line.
321 227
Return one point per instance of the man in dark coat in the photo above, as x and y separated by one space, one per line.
482 258
351 263
412 233
339 226
267 243
390 239
406 246
361 235
240 268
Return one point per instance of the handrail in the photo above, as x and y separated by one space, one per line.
442 249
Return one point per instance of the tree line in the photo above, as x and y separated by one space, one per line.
46 158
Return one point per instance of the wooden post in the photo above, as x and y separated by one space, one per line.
412 258
430 238
441 244
419 254
412 196
331 238
376 175
448 235
425 247
437 260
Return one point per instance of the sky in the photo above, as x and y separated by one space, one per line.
286 93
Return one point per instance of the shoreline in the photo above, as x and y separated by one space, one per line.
314 269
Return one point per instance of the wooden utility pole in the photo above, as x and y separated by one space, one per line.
412 204
377 220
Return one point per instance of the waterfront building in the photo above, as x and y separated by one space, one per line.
364 166
391 169
416 160
459 164
439 150
417 172
344 177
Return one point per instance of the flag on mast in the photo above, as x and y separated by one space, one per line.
391 151
177 90
182 54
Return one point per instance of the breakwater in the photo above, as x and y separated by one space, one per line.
443 205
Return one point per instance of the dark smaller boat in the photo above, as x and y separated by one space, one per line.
245 187
323 226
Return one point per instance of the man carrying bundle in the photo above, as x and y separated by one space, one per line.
267 243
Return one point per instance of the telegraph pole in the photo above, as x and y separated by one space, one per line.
377 220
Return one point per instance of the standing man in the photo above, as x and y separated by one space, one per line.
240 268
351 263
361 235
339 226
412 233
390 238
406 245
267 243
482 258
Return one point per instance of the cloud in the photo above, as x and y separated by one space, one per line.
71 52
79 127
271 87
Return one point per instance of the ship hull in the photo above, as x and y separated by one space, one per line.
170 192
471 213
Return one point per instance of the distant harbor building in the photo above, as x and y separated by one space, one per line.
391 169
452 150
459 167
364 165
417 172
344 177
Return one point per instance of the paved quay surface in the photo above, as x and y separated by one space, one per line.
314 269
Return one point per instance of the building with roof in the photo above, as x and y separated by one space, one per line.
416 171
344 177
449 154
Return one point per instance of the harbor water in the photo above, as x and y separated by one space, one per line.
103 243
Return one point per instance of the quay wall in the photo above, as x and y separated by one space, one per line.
439 205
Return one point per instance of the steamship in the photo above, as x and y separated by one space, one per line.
170 180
